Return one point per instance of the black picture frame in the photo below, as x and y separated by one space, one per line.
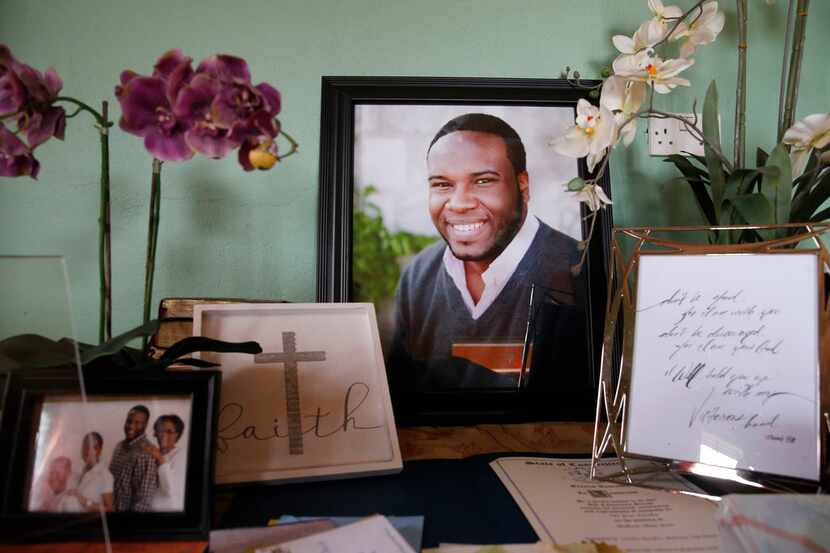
27 390
564 397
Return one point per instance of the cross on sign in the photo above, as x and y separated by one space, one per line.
289 357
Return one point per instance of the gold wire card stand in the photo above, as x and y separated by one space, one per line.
715 358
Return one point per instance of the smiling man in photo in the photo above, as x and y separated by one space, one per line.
134 472
474 287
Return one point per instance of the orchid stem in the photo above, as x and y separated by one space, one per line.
152 239
800 34
104 218
105 232
294 145
99 118
739 144
785 67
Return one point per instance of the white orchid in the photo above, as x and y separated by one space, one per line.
623 98
661 12
664 17
594 131
645 37
704 28
653 70
811 132
593 196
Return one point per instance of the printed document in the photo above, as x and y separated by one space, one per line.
564 506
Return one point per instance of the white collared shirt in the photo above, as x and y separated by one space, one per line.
499 271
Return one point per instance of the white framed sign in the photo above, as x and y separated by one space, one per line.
314 404
725 366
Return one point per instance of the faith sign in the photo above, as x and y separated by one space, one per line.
315 404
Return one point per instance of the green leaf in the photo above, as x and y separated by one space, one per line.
755 209
119 342
811 200
686 167
821 215
760 157
712 133
576 184
777 185
805 182
695 177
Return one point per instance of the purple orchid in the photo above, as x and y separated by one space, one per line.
205 135
239 105
211 111
15 158
258 149
147 107
12 91
31 94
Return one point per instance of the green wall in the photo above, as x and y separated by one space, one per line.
228 233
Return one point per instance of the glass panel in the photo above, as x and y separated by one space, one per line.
51 467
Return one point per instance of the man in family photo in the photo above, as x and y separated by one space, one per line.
56 495
473 288
134 470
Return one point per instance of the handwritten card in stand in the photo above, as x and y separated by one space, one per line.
314 404
722 358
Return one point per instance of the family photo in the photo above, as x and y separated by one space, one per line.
459 210
110 454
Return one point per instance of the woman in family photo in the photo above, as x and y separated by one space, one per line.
169 495
94 487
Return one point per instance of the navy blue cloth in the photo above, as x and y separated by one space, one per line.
463 501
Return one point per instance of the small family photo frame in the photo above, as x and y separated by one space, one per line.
442 203
136 449
724 357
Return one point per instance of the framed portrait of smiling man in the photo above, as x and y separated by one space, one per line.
442 203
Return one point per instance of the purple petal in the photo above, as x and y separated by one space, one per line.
6 57
225 68
272 97
126 77
223 109
10 144
12 94
244 131
194 100
244 153
178 79
263 121
45 125
53 82
34 82
140 101
169 62
210 142
15 159
167 148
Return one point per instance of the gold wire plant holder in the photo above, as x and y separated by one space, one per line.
611 458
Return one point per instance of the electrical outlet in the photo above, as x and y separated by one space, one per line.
670 136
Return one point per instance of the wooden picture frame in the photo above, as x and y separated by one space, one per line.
32 445
564 367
